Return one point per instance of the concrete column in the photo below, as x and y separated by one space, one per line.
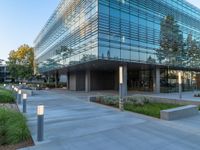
191 75
48 79
56 79
87 81
72 81
67 83
156 81
125 88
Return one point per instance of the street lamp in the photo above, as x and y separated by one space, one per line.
121 88
180 84
40 122
24 97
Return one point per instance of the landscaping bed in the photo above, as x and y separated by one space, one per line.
14 132
139 104
6 96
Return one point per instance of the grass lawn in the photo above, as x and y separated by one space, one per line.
6 96
13 128
138 104
149 109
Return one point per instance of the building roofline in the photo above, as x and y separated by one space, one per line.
49 21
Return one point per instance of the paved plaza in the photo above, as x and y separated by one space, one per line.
73 123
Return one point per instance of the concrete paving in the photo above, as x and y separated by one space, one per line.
73 123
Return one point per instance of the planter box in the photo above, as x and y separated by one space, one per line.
179 112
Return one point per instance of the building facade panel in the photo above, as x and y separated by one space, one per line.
144 35
163 32
71 37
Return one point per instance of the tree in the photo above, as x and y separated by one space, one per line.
171 42
192 51
21 62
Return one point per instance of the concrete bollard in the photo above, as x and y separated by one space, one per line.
40 123
19 96
24 102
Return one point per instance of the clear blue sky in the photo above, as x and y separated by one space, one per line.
22 20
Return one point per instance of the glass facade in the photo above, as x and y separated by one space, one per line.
69 37
169 80
163 32
4 73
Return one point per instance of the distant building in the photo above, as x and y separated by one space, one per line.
153 39
4 73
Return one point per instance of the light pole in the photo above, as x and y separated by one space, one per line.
40 122
24 102
180 84
121 107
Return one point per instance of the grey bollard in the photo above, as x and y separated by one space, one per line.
40 123
24 102
19 98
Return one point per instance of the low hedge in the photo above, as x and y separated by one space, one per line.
138 104
13 128
149 109
6 96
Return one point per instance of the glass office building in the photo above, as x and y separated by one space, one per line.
4 74
154 39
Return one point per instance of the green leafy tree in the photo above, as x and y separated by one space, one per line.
21 62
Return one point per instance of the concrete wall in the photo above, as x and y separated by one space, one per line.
72 81
77 81
80 81
99 80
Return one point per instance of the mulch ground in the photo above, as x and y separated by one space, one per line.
19 145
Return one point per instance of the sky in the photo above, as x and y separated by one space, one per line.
22 20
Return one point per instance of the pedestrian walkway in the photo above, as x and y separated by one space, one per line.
73 123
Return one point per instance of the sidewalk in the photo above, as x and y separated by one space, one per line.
71 122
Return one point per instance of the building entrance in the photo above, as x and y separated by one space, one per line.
140 80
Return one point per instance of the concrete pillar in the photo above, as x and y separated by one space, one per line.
56 79
125 88
87 81
67 83
191 75
156 81
48 78
72 81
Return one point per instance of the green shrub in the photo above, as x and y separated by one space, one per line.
108 100
197 95
6 96
13 128
150 109
139 104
